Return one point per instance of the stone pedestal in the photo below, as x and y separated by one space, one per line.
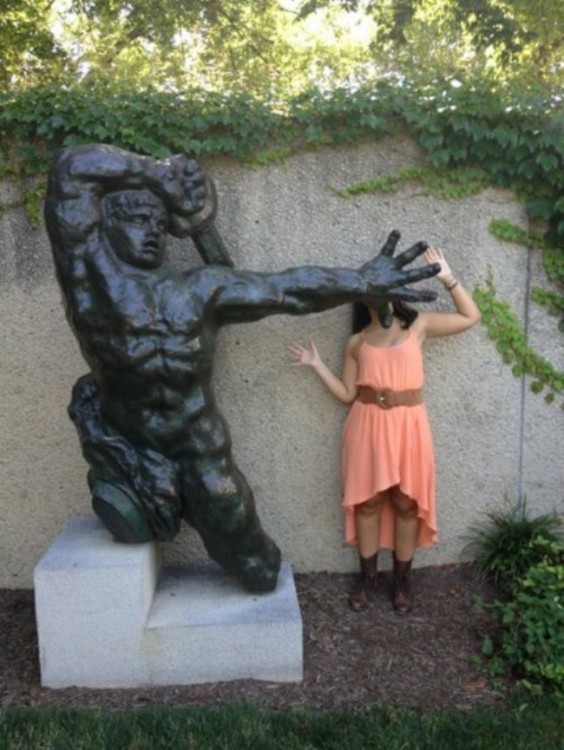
109 616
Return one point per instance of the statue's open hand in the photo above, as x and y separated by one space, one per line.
387 277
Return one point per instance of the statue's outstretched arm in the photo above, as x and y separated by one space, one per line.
244 296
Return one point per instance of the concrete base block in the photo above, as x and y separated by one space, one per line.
203 627
92 597
107 616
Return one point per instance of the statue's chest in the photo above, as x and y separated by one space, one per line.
179 336
141 324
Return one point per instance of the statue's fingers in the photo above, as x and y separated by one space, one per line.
411 253
412 295
389 246
384 313
199 193
192 167
410 275
194 185
195 200
192 182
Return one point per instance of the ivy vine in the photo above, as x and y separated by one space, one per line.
553 261
474 135
509 232
553 301
458 182
514 139
32 200
504 328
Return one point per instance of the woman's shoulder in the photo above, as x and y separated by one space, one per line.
418 327
353 343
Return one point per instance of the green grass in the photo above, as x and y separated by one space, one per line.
533 723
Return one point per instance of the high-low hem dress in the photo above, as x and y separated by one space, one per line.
384 448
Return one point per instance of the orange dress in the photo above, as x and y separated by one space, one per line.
383 448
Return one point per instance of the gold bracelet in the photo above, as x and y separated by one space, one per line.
452 286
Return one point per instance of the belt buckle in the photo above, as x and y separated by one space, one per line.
382 400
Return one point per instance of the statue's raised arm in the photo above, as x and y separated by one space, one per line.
82 177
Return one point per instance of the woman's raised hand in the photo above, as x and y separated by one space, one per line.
302 356
435 255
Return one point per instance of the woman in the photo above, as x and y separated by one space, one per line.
388 464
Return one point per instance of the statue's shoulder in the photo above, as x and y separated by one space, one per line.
210 276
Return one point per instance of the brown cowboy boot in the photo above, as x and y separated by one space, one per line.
402 600
366 584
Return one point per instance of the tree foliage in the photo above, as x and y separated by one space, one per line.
184 40
28 48
277 47
502 38
257 46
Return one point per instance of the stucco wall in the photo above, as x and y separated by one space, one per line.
492 437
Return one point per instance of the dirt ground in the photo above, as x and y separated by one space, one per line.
423 661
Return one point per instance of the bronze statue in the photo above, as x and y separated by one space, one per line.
158 448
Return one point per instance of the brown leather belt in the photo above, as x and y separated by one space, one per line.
386 398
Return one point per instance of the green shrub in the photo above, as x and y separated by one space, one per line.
524 557
531 642
509 542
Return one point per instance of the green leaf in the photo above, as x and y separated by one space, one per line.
547 161
541 208
487 646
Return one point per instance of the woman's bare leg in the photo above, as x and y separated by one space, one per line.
405 542
367 523
406 525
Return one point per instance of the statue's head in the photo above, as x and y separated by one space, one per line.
135 225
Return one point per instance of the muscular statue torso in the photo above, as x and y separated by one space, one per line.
151 348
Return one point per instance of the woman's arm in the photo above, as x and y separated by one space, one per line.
447 324
344 389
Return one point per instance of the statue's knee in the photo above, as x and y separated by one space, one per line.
119 513
225 506
259 572
228 516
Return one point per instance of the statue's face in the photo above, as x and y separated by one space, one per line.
135 225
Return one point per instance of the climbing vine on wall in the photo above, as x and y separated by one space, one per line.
474 135
502 323
458 182
553 261
511 341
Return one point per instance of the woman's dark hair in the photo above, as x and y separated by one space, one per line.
361 316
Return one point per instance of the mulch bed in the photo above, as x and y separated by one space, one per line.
424 661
